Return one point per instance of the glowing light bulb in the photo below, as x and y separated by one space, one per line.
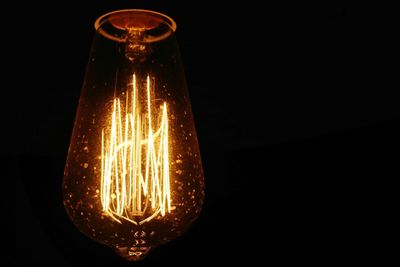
133 179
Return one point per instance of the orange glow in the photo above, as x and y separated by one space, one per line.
135 176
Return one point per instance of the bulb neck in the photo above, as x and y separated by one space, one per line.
133 253
136 49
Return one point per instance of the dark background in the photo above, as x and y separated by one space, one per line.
296 117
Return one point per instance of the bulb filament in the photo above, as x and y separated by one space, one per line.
135 177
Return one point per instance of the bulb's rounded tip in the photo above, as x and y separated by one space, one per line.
133 253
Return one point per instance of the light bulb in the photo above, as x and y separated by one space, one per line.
133 179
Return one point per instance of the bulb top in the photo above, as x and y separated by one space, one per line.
154 26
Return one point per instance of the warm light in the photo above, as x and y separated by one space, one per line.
133 178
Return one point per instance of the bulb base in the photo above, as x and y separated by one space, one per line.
133 253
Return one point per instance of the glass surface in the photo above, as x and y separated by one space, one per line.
133 179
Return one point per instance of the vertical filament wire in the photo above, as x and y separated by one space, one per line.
135 177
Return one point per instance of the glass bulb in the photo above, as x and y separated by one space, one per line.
133 179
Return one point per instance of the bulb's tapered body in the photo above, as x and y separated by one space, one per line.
133 179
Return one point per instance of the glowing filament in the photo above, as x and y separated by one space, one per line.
135 181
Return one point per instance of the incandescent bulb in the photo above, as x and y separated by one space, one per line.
133 179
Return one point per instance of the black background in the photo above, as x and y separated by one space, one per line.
297 121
